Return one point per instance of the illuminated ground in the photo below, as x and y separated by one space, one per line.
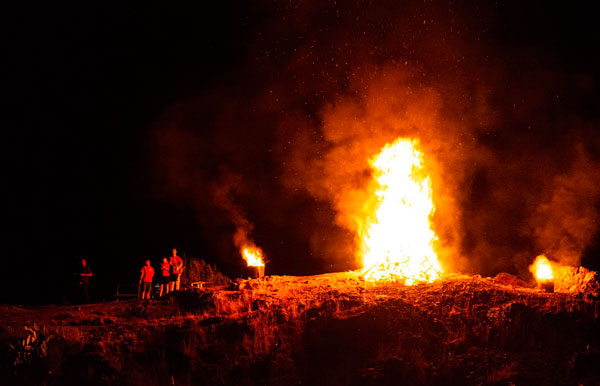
327 329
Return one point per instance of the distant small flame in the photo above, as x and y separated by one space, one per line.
253 256
542 269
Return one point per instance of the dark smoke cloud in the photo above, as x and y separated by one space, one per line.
507 131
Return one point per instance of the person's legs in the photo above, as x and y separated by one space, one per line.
86 293
178 282
161 290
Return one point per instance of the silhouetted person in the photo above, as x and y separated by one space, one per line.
165 279
85 274
177 269
146 278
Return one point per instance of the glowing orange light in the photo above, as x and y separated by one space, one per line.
397 238
542 269
253 256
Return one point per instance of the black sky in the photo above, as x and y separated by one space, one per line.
87 83
90 83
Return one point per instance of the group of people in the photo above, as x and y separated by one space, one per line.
170 279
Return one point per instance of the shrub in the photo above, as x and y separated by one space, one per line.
199 270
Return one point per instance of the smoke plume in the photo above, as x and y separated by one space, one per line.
223 194
512 158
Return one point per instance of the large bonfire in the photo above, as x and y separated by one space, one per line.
397 239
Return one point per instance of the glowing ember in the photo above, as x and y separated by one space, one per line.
253 256
541 269
397 239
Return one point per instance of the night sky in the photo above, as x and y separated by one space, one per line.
127 123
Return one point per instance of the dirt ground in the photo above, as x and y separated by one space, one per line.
326 329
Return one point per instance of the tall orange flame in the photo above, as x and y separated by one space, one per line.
253 256
397 238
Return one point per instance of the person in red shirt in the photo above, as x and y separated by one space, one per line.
177 269
146 277
84 280
165 282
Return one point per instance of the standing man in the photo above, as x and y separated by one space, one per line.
146 278
177 265
85 273
165 282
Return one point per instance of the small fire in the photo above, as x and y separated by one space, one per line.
253 256
397 238
542 269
